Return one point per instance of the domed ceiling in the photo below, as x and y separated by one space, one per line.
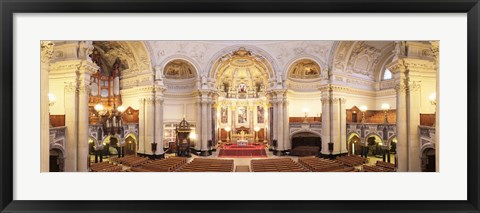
242 68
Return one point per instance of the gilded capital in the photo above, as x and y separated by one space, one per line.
46 51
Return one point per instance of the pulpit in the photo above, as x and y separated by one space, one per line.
182 138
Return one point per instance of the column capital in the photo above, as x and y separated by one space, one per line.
46 51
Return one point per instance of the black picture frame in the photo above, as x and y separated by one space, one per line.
10 7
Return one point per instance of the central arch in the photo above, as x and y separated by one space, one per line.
305 143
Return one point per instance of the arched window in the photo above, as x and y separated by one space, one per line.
387 74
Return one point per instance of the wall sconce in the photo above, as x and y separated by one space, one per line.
51 99
305 111
433 99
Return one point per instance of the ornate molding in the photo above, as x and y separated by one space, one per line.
46 51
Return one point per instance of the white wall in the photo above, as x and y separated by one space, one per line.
305 100
57 88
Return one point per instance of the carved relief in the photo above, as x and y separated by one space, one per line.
339 61
304 69
362 59
46 50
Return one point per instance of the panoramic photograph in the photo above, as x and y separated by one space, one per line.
239 106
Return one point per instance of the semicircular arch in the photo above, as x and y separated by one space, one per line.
271 62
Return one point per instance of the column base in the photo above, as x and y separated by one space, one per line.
205 153
278 153
152 156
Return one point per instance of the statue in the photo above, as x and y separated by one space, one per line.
85 49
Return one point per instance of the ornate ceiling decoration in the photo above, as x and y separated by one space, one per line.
179 69
304 69
242 68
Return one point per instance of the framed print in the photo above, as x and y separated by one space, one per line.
225 106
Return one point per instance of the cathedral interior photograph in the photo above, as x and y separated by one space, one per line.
239 106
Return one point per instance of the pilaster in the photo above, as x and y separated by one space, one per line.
46 51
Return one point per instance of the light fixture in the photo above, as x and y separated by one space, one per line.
192 136
363 108
256 132
433 99
385 108
228 129
121 109
305 111
51 99
99 108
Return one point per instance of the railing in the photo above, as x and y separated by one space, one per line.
426 135
372 128
58 136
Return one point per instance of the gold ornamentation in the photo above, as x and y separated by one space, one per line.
304 69
46 51
179 69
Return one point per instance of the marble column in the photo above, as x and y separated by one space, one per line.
335 123
209 121
280 127
141 126
275 119
159 124
343 126
150 124
414 155
399 71
286 128
46 55
71 118
86 70
325 120
435 53
204 126
198 125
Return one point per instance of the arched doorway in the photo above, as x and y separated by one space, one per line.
110 145
306 144
375 146
57 160
354 144
428 160
130 145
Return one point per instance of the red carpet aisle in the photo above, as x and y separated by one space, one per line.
249 151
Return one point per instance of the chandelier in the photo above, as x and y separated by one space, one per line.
110 119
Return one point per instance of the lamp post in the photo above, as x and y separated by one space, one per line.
256 133
385 108
363 109
385 143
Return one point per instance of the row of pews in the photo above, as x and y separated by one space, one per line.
324 165
131 160
170 164
380 166
352 160
207 165
276 165
105 167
